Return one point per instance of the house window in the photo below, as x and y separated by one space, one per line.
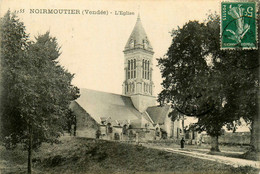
124 129
109 128
157 132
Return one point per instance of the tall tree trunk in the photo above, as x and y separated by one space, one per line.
182 123
214 144
75 130
255 125
255 135
75 127
29 169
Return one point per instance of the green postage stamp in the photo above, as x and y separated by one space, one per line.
238 25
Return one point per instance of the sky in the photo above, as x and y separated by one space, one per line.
92 45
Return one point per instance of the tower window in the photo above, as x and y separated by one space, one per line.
128 70
131 68
143 69
148 69
134 68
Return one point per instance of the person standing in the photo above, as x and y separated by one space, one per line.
182 142
98 133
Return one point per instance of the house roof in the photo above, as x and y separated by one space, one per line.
138 37
102 105
158 114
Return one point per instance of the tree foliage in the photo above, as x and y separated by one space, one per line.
14 42
37 90
199 79
188 78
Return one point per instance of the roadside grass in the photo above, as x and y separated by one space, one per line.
233 151
233 148
82 155
248 155
12 161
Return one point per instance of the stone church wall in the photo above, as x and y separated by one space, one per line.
142 102
86 125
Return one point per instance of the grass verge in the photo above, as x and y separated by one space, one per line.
82 155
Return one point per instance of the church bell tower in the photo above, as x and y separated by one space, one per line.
138 63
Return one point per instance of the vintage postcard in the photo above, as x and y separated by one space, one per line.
129 86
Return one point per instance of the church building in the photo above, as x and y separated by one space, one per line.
134 115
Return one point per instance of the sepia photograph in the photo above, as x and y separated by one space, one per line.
100 87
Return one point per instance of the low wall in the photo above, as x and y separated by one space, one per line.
241 138
88 132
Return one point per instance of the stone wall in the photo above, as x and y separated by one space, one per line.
86 125
242 138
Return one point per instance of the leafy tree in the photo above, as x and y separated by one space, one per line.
14 42
38 89
186 76
201 80
241 71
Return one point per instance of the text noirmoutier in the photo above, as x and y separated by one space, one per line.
78 12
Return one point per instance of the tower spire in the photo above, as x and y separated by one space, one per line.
138 17
138 38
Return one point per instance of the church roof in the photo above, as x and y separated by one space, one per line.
102 105
158 114
138 37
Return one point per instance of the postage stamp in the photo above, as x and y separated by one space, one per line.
238 25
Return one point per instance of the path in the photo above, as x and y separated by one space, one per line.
236 162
